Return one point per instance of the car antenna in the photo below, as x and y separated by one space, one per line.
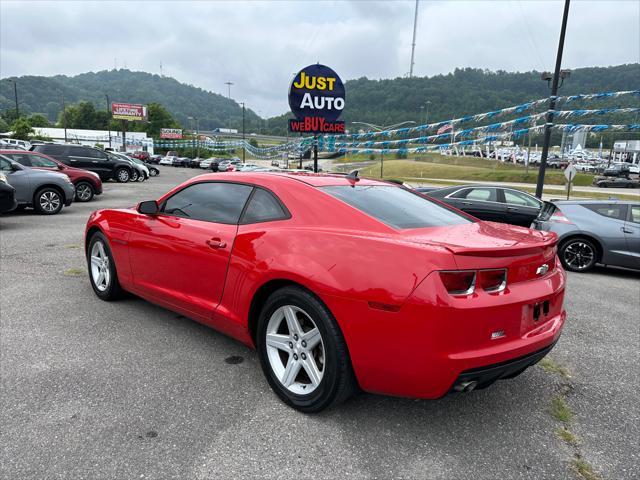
353 176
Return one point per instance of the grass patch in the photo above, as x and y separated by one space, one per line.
584 469
560 410
74 272
566 436
551 366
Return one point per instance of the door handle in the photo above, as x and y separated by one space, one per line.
467 203
626 230
512 208
95 161
216 243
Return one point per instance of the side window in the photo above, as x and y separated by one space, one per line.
263 207
21 159
518 198
38 161
480 194
619 212
93 153
210 202
635 214
5 165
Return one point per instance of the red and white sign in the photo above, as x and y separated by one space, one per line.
173 133
444 129
129 111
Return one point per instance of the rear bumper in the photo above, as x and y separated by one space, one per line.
479 378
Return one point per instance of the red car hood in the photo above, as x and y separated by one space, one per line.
484 239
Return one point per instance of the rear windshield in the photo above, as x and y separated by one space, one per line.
397 207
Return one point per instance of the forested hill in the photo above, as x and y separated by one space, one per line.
383 102
470 90
44 95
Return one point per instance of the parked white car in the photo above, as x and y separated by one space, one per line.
166 160
584 167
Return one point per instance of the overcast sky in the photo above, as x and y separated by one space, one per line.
259 45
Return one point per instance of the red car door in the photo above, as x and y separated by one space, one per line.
180 256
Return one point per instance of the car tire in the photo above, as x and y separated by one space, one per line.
102 269
294 367
48 201
578 254
134 176
84 192
122 175
153 172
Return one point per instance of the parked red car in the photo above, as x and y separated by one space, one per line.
86 183
339 281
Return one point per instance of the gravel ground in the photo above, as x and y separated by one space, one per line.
130 390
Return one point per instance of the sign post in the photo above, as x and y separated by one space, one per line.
570 174
316 98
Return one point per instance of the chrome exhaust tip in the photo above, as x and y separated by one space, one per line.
466 386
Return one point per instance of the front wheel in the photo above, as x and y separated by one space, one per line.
134 176
302 351
102 269
84 192
578 255
48 201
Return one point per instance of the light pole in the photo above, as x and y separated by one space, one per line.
244 146
228 84
197 143
108 118
15 93
552 102
64 118
380 128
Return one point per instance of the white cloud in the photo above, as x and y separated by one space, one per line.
258 44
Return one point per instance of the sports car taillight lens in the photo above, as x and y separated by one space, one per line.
493 281
460 282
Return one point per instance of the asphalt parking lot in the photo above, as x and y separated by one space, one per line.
129 390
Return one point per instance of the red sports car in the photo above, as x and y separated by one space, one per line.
339 282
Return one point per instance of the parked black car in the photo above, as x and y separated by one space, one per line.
491 203
88 158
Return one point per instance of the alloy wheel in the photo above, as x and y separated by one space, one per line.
123 175
295 349
579 255
100 273
49 201
83 192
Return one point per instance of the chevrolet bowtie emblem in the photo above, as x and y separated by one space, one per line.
542 269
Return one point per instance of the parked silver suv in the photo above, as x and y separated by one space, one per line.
47 192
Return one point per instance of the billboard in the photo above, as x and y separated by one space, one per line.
129 111
316 98
174 133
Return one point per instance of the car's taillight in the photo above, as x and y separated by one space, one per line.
559 217
464 282
459 282
493 281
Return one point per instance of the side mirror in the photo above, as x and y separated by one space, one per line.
15 167
60 167
149 207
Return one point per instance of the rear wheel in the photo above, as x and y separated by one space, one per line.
302 351
123 175
153 172
578 255
84 192
102 269
48 201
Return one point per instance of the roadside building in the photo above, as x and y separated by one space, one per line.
134 140
626 151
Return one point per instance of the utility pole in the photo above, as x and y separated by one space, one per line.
413 42
15 92
228 84
552 103
108 118
64 118
244 146
198 136
124 135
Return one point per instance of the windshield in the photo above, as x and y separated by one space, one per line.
397 207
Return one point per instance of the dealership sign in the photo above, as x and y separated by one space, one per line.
129 111
316 98
174 133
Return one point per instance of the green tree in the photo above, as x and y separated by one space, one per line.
158 117
38 120
4 126
21 129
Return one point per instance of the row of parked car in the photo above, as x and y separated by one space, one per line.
50 176
590 231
